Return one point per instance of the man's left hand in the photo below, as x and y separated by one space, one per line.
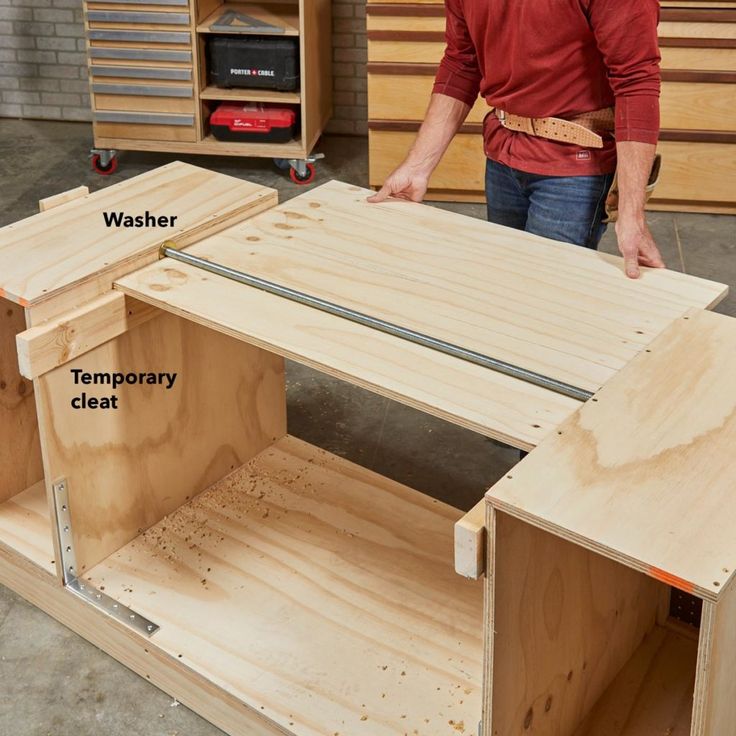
637 246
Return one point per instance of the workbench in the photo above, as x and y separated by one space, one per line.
275 588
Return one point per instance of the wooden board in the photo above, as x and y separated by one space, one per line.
69 246
564 621
62 198
25 526
494 405
126 468
653 693
718 688
20 450
319 593
56 342
192 689
498 291
644 472
315 27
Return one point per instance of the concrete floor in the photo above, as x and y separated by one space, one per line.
54 683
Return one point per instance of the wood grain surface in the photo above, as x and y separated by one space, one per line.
644 472
498 291
25 526
69 245
319 593
20 449
128 467
564 622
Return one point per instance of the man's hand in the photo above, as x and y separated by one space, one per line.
409 181
406 182
637 245
635 242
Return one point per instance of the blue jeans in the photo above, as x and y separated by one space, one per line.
566 208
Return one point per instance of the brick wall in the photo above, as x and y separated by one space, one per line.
43 68
349 54
43 71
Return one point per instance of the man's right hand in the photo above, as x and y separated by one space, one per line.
406 182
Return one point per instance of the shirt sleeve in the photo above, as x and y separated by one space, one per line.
459 74
626 34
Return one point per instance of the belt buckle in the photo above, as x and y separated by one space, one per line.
501 115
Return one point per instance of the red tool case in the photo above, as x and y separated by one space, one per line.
253 122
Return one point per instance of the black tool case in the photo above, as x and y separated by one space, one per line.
253 61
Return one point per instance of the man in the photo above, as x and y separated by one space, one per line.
550 59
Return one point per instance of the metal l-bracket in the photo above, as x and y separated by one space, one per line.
79 587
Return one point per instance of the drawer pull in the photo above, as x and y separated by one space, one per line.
127 16
145 118
140 72
141 90
141 54
153 36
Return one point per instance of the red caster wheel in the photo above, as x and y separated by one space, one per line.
98 166
300 179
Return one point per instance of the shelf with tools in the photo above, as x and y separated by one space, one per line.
154 85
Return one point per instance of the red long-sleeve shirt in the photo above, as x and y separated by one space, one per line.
557 58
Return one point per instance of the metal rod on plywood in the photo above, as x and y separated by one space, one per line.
169 249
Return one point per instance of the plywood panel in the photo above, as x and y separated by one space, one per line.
462 166
328 595
409 52
53 251
482 286
494 405
706 59
698 105
720 693
20 451
564 622
406 96
316 68
126 468
700 172
25 526
663 427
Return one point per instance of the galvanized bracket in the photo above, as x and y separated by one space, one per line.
79 587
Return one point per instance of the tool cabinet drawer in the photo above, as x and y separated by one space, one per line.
138 55
393 96
121 73
144 104
462 169
135 125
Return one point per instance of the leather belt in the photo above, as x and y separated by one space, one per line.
580 129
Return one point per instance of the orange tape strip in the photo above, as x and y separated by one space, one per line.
672 580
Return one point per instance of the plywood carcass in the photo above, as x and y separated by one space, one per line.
278 589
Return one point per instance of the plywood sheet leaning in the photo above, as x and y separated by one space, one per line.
644 472
69 247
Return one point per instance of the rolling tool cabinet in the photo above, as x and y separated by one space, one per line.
278 589
698 117
151 87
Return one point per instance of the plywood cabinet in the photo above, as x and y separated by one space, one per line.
150 83
276 588
698 46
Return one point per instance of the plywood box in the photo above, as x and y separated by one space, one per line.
278 589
